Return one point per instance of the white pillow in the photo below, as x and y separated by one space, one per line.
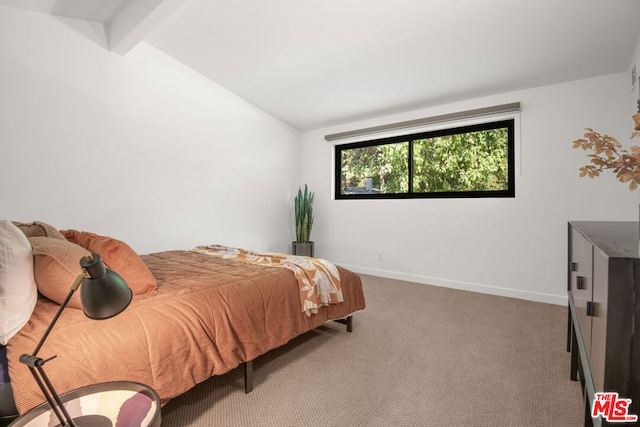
18 291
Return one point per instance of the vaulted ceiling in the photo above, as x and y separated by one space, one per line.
316 63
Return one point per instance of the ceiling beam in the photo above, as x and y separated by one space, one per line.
136 19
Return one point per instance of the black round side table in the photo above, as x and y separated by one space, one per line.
110 404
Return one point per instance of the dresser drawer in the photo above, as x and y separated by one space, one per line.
581 281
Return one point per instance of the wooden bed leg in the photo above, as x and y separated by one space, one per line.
347 321
248 376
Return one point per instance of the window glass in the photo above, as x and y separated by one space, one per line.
376 169
470 161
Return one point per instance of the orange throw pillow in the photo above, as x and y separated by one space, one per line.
56 264
119 257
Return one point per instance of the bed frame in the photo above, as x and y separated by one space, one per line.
247 367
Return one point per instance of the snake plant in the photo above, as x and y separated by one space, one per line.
304 215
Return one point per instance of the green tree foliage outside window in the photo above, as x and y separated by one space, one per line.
386 166
473 161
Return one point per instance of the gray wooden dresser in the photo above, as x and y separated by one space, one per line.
604 310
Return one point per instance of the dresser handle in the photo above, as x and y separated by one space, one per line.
580 282
574 266
591 308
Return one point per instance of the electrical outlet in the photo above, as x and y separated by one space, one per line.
380 256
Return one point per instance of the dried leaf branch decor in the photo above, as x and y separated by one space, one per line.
609 154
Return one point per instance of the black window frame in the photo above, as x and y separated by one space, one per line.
509 124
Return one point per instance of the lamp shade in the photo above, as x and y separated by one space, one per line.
104 293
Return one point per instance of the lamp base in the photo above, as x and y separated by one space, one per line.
91 421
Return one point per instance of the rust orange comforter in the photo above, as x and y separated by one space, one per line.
207 316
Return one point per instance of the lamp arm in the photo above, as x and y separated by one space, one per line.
74 287
52 397
35 364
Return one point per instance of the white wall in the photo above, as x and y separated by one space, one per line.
138 147
512 246
634 99
142 148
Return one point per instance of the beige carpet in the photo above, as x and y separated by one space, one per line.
418 356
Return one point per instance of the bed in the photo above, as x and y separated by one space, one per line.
206 316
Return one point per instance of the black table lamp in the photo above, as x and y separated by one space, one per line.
104 294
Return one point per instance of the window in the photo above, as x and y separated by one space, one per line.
469 161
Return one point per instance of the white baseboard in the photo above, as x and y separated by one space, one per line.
465 286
